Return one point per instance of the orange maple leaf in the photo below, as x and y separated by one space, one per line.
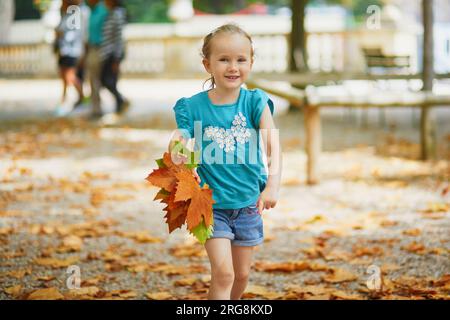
185 200
176 211
165 177
201 199
162 178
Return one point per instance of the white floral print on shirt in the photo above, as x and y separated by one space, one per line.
227 138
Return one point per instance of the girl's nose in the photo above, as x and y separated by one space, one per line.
233 66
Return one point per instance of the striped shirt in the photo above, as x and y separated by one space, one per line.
112 43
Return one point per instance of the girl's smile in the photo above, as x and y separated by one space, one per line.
232 78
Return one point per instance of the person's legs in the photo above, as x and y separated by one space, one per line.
222 275
242 261
109 80
72 79
94 70
62 74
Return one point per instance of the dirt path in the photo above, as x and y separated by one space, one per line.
73 194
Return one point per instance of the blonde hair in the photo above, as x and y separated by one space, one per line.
229 28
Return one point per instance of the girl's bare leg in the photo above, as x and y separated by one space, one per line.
222 275
72 79
62 73
242 261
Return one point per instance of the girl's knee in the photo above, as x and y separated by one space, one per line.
241 276
223 278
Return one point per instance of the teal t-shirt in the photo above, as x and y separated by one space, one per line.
96 21
227 136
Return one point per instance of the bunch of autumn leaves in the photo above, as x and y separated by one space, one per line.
186 202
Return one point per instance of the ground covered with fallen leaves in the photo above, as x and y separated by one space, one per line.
73 193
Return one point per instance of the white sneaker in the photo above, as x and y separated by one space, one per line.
109 119
61 111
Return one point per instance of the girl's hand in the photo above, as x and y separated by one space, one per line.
180 158
268 199
197 177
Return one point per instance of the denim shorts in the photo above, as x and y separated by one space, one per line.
244 226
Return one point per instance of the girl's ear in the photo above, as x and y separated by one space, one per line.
206 65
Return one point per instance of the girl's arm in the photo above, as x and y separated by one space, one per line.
271 140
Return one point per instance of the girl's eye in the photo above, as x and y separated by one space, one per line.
242 60
223 59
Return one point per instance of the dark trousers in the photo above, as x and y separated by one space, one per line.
109 80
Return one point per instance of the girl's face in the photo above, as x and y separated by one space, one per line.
230 60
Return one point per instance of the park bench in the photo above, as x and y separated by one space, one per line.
311 100
375 58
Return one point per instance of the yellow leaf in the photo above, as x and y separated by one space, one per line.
71 243
90 291
45 294
254 290
126 294
339 275
170 269
437 207
19 274
315 219
139 236
188 251
341 295
56 263
14 290
291 266
159 295
415 247
412 232
185 282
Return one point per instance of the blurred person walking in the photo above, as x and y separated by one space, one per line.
98 16
112 52
81 73
69 48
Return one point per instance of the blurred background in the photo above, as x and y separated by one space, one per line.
338 34
362 95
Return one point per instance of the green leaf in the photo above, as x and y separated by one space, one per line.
162 194
160 163
202 233
193 158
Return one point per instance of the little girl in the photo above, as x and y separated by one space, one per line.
226 123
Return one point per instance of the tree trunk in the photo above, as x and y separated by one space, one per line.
298 55
217 6
297 52
6 18
428 147
240 4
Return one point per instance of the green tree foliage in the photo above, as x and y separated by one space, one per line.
155 11
147 10
26 9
